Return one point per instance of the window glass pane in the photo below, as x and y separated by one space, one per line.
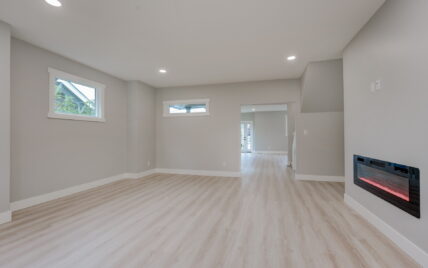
198 108
187 108
74 98
177 109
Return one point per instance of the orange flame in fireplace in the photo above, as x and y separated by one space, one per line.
386 189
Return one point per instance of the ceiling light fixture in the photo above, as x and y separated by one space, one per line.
162 71
291 58
55 3
253 109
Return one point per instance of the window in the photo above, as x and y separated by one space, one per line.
186 107
75 98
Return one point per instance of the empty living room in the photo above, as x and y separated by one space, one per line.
213 133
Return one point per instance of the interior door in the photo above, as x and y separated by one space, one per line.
247 137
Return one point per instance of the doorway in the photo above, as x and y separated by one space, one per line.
264 134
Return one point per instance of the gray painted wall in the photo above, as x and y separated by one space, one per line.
53 154
269 130
141 127
4 116
247 117
212 142
320 150
390 124
322 87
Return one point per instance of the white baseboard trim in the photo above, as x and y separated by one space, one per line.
32 201
199 172
303 177
5 217
270 152
139 175
419 255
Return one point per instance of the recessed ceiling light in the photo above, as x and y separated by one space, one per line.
55 3
162 71
291 58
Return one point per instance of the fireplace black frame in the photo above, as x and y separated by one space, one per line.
413 205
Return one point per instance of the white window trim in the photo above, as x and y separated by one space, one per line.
100 97
166 105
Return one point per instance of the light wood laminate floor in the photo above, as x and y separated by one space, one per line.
265 219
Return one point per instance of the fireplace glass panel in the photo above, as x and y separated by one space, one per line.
386 181
395 183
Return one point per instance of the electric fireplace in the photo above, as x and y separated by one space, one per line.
395 183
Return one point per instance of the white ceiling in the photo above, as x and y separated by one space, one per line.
197 41
263 108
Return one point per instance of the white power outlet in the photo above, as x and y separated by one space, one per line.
224 164
149 163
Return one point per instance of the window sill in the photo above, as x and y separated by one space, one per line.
76 117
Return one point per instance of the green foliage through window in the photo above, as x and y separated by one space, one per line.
72 98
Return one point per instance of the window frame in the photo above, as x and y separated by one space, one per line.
166 105
99 96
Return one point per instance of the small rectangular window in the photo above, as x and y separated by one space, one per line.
186 107
75 98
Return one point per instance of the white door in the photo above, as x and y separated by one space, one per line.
247 137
